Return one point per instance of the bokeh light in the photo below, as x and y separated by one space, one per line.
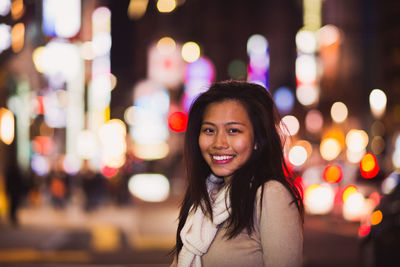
319 199
328 35
257 46
333 174
306 41
190 51
348 191
314 121
356 140
149 187
237 69
306 69
369 166
40 165
166 45
330 149
354 156
297 155
377 145
137 8
354 207
166 6
376 217
5 7
151 151
18 37
377 102
7 128
339 112
177 121
284 99
307 94
390 183
290 125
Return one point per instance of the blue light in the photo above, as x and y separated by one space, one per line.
284 99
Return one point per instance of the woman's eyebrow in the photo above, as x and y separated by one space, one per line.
228 123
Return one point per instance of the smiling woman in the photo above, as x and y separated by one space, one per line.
239 202
226 137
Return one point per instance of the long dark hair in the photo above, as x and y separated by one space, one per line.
265 163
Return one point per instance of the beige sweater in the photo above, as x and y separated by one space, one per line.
277 239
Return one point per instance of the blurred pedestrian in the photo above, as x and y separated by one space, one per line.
241 207
15 187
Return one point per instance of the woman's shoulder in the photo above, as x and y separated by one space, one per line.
274 190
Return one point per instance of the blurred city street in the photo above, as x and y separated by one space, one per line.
141 234
94 108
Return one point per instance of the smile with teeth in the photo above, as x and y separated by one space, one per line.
222 158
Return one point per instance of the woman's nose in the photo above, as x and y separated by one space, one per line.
220 141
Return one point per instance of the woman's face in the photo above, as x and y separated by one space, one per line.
226 137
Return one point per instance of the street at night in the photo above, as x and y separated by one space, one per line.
95 97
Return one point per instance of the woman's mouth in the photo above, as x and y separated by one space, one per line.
222 159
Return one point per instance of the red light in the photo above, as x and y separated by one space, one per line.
177 121
109 171
333 174
43 145
369 166
39 108
364 230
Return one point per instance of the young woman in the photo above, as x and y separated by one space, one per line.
241 207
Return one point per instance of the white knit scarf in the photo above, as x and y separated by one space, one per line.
199 231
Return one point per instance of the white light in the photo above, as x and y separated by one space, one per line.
101 20
355 156
319 199
390 183
100 88
307 94
61 58
306 41
61 18
56 114
5 37
377 101
306 68
149 187
290 125
5 6
71 165
354 207
339 112
151 151
190 52
40 165
329 149
101 44
257 45
87 145
7 123
396 159
297 155
328 35
356 140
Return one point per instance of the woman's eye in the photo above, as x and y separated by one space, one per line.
207 130
233 130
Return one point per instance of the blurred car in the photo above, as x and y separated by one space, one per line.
381 247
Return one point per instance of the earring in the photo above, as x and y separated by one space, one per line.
255 146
